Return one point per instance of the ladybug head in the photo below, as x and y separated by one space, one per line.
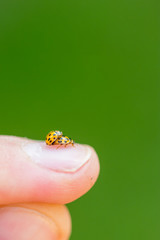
72 141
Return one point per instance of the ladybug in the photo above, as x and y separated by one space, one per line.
52 137
64 141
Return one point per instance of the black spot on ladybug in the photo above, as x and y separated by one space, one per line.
48 139
59 141
65 141
49 134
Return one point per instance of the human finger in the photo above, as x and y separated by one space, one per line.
34 221
31 171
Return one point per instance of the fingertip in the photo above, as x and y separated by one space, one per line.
40 173
18 223
57 214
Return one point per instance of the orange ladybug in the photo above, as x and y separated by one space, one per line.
63 141
52 137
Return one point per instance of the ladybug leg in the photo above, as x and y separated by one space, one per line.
58 147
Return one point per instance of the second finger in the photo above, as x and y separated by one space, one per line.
34 221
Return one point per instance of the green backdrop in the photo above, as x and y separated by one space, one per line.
90 69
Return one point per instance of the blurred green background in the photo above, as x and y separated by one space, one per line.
90 68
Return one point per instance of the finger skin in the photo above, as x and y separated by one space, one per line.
22 180
34 221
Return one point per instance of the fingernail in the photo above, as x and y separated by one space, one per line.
18 223
63 159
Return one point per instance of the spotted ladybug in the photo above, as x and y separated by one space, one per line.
64 141
52 137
